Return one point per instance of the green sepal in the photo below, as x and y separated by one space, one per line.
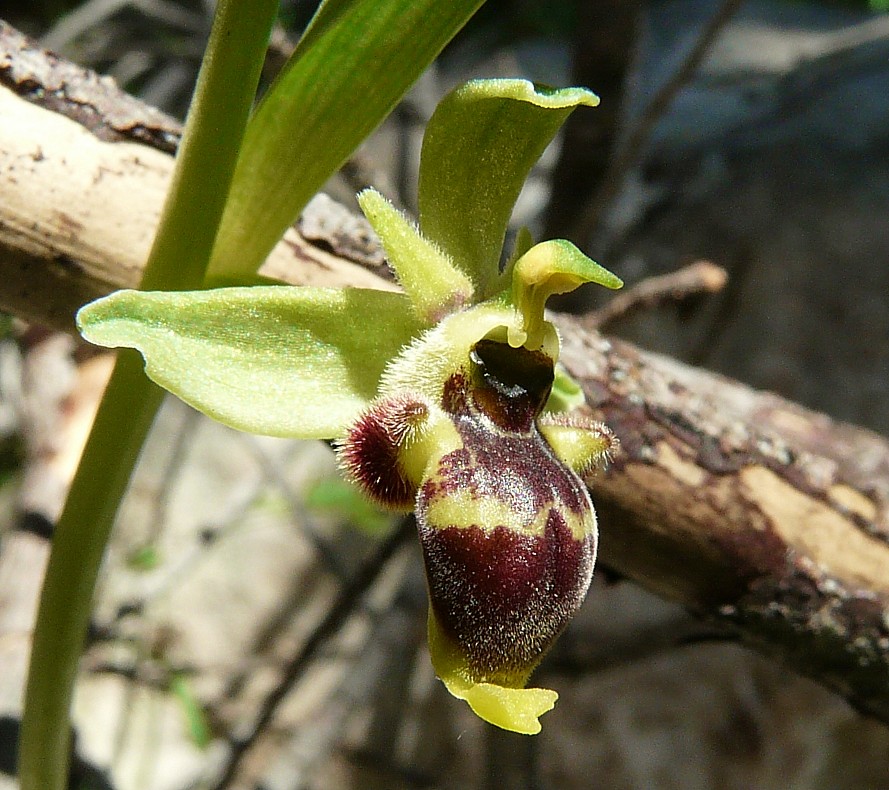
279 360
479 147
435 287
551 267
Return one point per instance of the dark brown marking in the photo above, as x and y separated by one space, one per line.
503 596
511 384
501 592
370 451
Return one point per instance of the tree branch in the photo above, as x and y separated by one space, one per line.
83 173
768 519
627 153
692 280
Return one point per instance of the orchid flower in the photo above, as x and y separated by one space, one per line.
445 398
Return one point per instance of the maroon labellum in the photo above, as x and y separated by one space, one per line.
507 528
508 531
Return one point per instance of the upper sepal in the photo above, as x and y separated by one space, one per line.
478 149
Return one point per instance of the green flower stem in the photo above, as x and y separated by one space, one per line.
126 414
214 131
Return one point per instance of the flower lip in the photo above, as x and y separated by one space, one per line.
508 531
504 596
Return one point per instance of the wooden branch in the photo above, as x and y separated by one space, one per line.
766 518
769 518
84 169
695 279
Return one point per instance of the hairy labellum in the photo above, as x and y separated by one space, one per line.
508 531
371 452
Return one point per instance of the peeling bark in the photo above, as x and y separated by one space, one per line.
81 191
768 518
764 517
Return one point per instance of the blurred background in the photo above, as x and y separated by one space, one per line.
259 626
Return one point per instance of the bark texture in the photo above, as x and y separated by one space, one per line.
769 518
83 173
765 517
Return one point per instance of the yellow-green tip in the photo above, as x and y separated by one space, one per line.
581 443
516 709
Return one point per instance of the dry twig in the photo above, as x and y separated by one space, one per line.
697 278
349 598
627 154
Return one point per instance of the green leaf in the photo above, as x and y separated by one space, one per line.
282 361
427 275
342 499
352 65
144 558
479 147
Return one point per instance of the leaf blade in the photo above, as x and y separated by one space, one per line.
354 63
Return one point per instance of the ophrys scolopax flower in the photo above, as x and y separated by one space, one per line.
446 398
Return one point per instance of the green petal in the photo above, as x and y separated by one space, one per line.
350 68
479 147
282 361
580 443
435 287
551 267
524 241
